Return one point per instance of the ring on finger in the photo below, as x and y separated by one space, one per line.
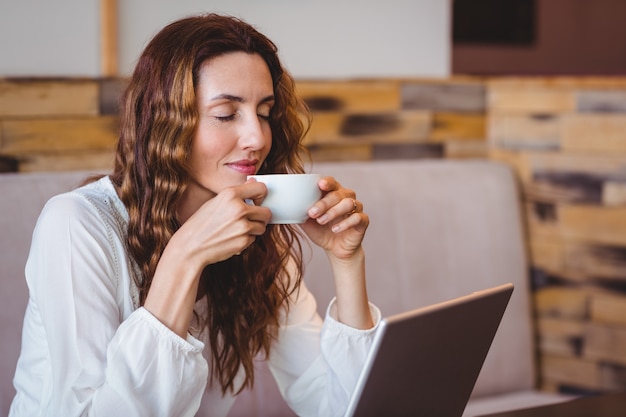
354 206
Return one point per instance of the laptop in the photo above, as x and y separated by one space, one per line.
425 362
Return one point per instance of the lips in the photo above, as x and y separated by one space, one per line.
246 167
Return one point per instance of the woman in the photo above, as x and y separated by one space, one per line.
128 273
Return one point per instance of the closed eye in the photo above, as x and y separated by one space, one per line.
225 118
264 111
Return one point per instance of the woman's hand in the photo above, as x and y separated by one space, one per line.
221 227
337 222
225 225
338 225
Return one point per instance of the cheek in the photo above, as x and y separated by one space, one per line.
205 146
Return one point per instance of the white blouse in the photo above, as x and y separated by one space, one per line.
87 349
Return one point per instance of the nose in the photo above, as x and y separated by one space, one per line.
255 133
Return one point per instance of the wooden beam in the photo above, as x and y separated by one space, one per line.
566 302
108 38
48 98
594 133
57 135
559 370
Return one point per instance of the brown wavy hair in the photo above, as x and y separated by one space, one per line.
240 299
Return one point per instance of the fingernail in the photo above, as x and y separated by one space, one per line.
313 211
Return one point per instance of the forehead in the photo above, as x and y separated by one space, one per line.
235 73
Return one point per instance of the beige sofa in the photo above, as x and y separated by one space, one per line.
439 229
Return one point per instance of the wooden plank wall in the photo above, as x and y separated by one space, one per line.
566 139
60 124
72 124
387 119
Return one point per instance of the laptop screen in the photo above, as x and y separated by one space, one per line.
425 362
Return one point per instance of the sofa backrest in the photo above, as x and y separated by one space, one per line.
439 229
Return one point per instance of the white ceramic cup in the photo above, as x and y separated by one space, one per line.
290 196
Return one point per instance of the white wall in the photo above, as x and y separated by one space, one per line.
316 39
49 38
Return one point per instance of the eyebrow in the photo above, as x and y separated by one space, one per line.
238 99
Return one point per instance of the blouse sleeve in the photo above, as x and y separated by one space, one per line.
317 363
99 363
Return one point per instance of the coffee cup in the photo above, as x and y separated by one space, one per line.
289 196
